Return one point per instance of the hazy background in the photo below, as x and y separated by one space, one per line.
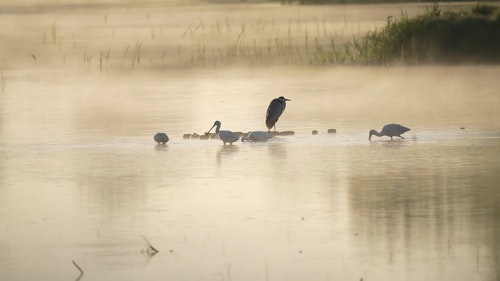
86 85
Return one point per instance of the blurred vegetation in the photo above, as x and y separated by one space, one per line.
463 35
468 33
320 2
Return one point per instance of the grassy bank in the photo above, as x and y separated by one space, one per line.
465 35
321 2
172 37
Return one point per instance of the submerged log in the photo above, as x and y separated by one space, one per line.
286 133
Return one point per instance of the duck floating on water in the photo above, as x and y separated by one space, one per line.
161 138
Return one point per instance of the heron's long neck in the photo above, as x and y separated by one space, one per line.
283 104
377 133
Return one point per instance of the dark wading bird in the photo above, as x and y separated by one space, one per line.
225 136
274 111
390 130
161 138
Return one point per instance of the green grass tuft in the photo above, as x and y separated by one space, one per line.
437 36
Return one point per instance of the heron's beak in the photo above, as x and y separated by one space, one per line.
287 99
370 137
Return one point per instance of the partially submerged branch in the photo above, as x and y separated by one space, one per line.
79 269
148 250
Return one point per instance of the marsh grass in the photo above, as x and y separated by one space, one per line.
3 84
136 58
87 58
215 42
437 36
103 58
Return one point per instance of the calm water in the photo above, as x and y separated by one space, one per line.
81 178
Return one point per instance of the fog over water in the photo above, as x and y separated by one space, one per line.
81 178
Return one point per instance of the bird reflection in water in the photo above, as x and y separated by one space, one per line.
277 150
226 151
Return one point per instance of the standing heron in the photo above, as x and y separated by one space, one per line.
161 138
274 111
225 136
390 130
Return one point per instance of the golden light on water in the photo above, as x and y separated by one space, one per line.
82 180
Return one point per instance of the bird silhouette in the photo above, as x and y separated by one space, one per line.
390 130
274 111
258 136
224 135
161 138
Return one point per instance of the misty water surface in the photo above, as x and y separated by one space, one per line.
81 178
